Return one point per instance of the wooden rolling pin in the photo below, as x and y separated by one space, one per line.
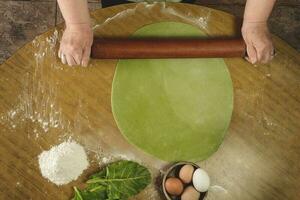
118 48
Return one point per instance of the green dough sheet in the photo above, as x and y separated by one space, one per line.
173 109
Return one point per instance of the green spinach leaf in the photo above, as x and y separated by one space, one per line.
97 193
117 181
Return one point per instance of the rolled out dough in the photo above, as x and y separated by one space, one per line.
174 109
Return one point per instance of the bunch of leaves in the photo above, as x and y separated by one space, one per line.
117 181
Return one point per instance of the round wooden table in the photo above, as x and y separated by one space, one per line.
43 103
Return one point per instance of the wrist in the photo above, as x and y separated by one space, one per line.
256 24
254 21
86 26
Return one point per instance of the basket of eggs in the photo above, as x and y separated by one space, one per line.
185 181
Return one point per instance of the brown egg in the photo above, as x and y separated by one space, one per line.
186 173
174 186
190 193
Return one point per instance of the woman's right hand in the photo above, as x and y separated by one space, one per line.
75 45
258 39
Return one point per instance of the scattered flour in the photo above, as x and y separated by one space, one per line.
63 163
217 188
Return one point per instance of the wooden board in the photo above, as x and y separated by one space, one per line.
43 103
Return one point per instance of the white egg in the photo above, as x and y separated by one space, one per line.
201 180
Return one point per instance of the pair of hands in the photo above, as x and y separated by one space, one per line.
75 46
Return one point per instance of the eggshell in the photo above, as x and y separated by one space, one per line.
186 173
174 186
190 193
201 180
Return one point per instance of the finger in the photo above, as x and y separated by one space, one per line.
266 58
63 59
252 54
272 55
78 57
59 53
262 55
86 56
273 52
247 58
70 60
269 58
266 54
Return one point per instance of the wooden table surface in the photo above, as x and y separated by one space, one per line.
43 103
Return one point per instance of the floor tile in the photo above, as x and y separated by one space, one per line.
21 21
285 23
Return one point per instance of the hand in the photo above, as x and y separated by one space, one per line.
75 45
259 43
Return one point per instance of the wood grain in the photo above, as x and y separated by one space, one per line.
43 103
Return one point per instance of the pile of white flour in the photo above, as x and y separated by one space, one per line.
63 163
